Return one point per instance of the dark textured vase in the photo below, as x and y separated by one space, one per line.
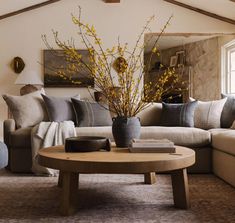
125 129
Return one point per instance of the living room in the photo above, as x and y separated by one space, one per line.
196 49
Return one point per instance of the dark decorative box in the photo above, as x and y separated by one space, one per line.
87 144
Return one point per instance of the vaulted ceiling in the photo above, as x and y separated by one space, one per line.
220 9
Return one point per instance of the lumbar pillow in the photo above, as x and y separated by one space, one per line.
207 114
91 113
228 113
178 114
27 110
59 109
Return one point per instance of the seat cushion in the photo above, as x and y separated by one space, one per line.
191 137
224 140
21 138
103 131
183 136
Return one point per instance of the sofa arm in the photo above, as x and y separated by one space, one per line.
9 126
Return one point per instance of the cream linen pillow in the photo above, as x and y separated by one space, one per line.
27 110
207 114
233 125
151 115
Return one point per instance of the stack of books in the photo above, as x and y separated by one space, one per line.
151 146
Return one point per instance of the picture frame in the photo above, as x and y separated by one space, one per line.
173 61
55 61
181 57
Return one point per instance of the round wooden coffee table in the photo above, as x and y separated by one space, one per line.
118 161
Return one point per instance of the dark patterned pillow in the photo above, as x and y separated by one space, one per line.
91 114
228 113
178 114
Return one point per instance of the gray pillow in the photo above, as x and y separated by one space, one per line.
228 113
27 110
91 114
59 109
178 114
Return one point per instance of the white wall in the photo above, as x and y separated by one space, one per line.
21 35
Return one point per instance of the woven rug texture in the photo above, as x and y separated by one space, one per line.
115 198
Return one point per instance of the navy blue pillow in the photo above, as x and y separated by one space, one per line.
178 114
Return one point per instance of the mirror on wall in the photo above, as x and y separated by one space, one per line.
196 57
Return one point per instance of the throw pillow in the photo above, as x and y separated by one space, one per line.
151 115
91 114
228 113
233 125
178 114
27 110
207 114
59 109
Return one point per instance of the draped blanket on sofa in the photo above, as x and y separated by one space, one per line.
47 134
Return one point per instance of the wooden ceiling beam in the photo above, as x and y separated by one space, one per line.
28 9
112 1
213 15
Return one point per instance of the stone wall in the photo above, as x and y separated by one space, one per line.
203 60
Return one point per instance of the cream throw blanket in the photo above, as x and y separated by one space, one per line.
48 134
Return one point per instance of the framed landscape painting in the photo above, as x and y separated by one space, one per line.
55 61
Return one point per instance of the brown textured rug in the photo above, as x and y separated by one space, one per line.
115 198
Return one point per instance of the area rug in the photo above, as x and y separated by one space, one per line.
115 198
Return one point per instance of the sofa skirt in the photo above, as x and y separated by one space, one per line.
224 166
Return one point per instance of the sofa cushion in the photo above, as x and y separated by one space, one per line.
228 113
207 114
224 140
183 136
91 113
103 131
27 110
178 114
59 108
21 138
151 115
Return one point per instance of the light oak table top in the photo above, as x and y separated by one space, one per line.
118 160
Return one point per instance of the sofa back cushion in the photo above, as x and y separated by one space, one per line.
91 114
178 114
228 113
59 108
151 115
27 110
207 114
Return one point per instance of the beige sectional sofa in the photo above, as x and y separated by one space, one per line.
223 154
215 148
